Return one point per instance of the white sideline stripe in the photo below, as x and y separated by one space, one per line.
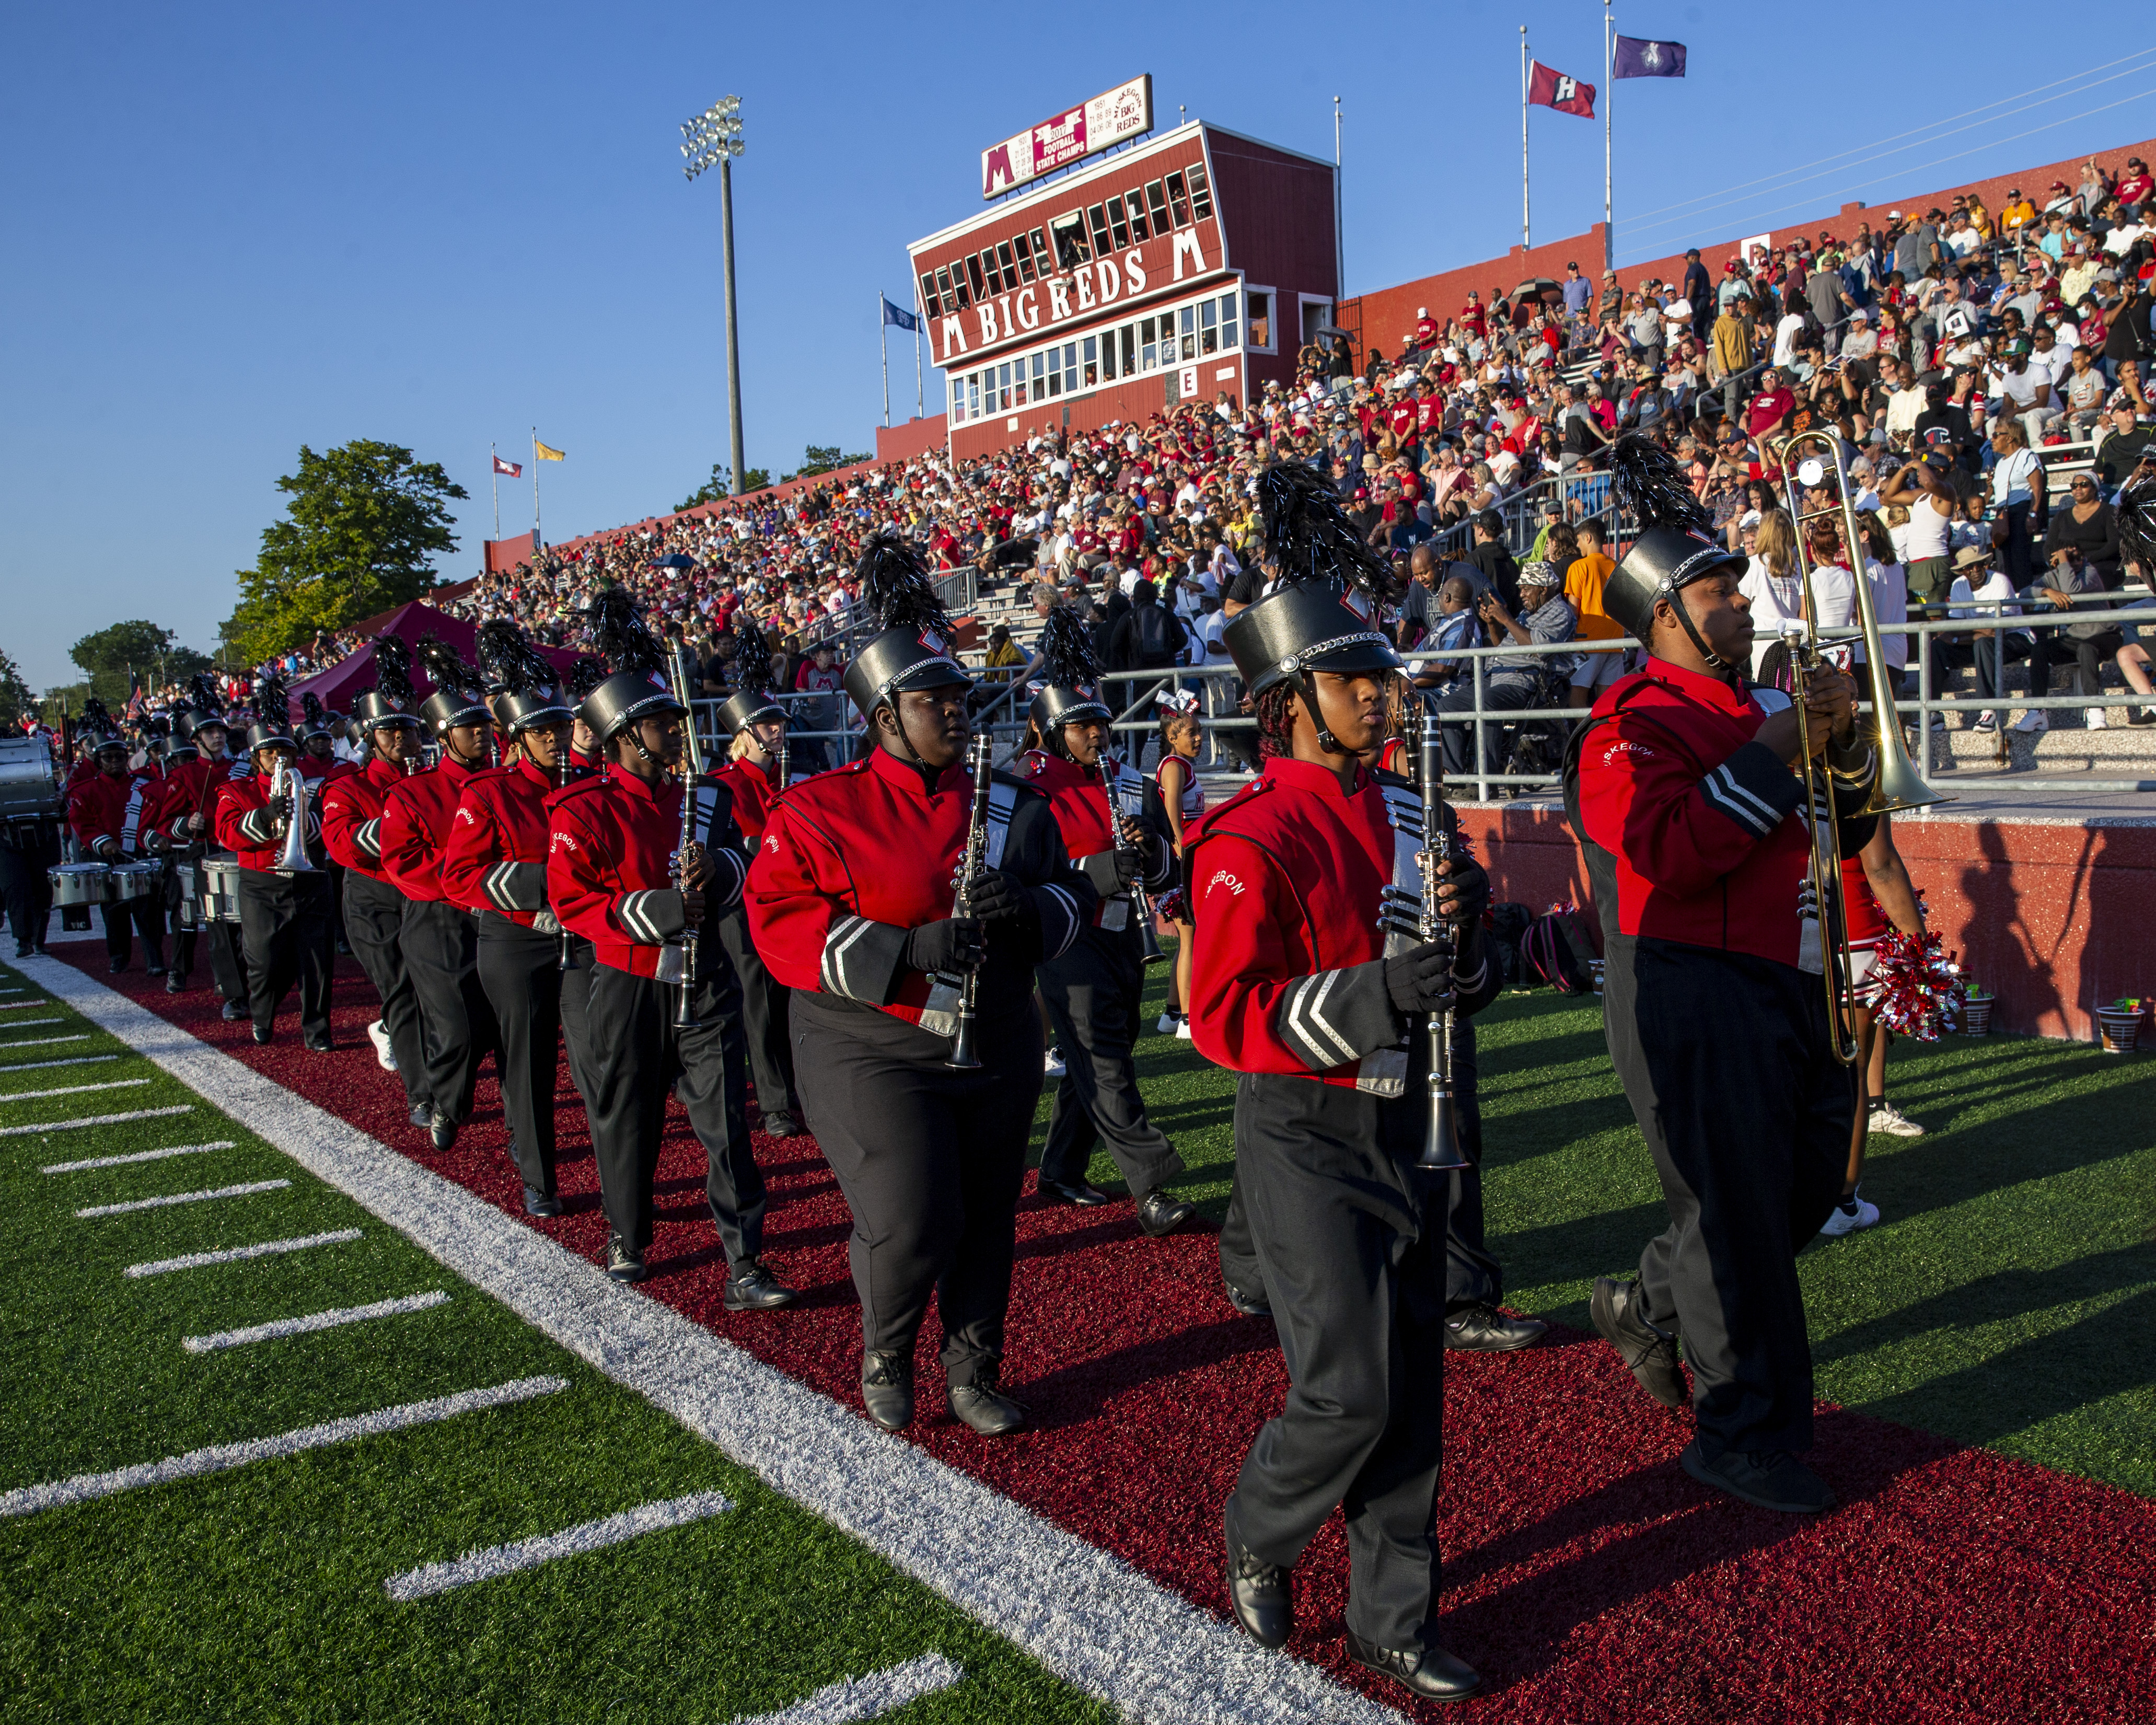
32 1041
233 1254
72 1090
431 1579
337 1315
19 1005
219 1458
1083 1613
10 991
69 1126
76 1168
869 1697
158 1203
70 1060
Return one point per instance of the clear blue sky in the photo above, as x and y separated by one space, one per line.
233 230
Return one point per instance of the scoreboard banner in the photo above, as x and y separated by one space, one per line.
1110 118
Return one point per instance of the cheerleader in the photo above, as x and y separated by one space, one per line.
1182 802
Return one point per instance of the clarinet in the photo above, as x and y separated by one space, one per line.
692 765
562 955
1418 920
969 865
782 780
1141 901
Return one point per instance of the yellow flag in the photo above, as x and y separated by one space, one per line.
547 455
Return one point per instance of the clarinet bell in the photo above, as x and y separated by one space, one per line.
1150 946
962 1047
1441 1144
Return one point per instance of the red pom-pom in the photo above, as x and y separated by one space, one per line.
1917 982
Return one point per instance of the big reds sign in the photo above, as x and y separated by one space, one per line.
1122 113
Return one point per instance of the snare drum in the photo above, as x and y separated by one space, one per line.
81 883
220 889
131 881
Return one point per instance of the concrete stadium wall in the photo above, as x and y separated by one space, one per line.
2050 915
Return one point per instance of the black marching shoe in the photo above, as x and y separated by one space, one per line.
1429 1672
782 1125
319 1043
156 970
1249 1304
623 1264
265 1035
540 1203
1159 1214
231 1012
1063 1192
983 1405
1261 1595
887 1389
444 1132
1482 1328
1651 1352
175 984
422 1114
1773 1479
752 1288
116 966
23 949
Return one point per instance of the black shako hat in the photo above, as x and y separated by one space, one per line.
272 716
1674 546
205 707
389 701
912 649
315 720
635 687
523 688
751 702
456 700
1312 620
1070 687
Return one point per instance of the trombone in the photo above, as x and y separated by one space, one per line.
1899 784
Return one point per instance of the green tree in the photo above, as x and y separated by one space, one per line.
16 698
719 485
359 534
822 458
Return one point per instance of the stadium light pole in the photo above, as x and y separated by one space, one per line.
715 137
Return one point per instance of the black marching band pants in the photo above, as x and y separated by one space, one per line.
285 928
1093 996
930 1159
635 1054
1726 1062
228 957
520 969
763 1019
1344 1229
123 916
374 924
441 953
26 853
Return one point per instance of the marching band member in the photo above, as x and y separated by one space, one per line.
440 944
352 805
1683 787
495 866
283 915
1298 988
106 809
1093 991
584 675
757 726
851 900
191 788
615 842
319 765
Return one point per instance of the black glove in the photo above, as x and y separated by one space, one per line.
1130 864
955 943
1463 892
279 808
105 846
995 896
1420 980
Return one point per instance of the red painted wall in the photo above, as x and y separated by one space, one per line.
916 437
2049 915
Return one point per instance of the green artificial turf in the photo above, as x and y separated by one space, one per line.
2007 1297
257 1593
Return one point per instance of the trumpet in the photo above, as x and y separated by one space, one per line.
1404 914
292 858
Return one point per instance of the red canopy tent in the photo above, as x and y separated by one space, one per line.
353 675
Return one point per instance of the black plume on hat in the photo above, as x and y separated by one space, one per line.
523 688
1648 486
1673 542
310 706
203 697
96 717
447 670
392 670
751 702
622 637
272 703
897 587
1070 677
585 674
1309 534
912 647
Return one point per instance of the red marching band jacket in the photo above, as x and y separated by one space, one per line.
111 817
1288 968
753 794
1693 832
246 827
611 840
210 778
319 772
415 828
1080 802
495 858
351 816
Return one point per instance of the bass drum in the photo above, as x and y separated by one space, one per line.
220 889
29 789
131 881
82 883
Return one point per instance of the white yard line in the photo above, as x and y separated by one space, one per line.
76 1168
69 1060
869 1697
1083 1613
21 1005
235 1254
219 1458
71 1090
335 1318
432 1578
32 1041
71 1126
158 1203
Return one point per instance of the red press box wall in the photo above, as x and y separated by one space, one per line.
2050 916
1387 316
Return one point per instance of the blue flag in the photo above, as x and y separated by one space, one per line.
904 320
1639 59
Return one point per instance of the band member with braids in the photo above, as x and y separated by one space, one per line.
1092 992
757 724
1685 788
638 875
1299 989
352 806
441 943
186 813
852 902
1181 799
494 865
107 809
284 915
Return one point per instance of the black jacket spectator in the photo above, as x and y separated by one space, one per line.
1109 610
1147 637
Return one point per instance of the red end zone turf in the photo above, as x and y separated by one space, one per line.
1586 1575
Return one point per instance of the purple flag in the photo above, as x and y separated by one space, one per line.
1640 58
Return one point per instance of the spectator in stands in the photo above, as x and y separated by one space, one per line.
1516 680
1147 637
820 677
2017 496
2088 527
2091 638
1584 579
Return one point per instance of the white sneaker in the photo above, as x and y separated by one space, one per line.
1182 1028
1168 1021
383 1053
1987 722
2032 723
2097 720
1885 1118
1843 1221
1053 1066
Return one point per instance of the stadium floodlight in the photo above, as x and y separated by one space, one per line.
714 140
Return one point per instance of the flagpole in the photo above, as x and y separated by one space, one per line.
537 541
1527 232
919 402
494 456
883 341
1608 88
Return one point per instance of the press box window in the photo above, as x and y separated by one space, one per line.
1261 320
1069 367
1139 230
1070 233
973 273
954 299
1010 269
1178 200
1107 356
1201 194
1054 379
1130 348
1101 243
1157 201
1186 322
1208 327
1228 320
1023 247
1092 366
1117 224
1148 348
929 300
